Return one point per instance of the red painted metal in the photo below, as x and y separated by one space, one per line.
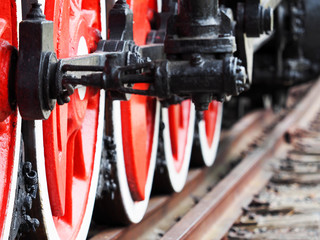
141 25
5 53
179 116
70 133
8 34
8 117
210 119
138 115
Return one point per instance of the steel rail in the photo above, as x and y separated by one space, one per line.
219 209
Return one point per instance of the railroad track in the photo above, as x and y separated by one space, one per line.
214 198
288 206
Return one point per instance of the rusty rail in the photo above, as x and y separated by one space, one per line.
217 211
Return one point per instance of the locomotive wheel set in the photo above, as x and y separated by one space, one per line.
92 117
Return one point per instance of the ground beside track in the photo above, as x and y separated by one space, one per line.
288 207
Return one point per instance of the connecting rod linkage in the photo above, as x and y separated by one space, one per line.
196 60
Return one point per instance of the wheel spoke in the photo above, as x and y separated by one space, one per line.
210 118
175 122
137 145
68 216
209 133
71 133
179 116
79 165
177 138
55 141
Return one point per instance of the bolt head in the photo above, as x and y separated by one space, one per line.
196 59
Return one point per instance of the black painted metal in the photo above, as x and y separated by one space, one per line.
200 77
198 62
27 188
288 52
202 33
252 21
36 39
159 23
121 21
311 35
26 7
107 183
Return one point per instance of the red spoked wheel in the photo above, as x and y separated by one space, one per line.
209 127
136 134
10 122
136 138
134 125
68 144
178 132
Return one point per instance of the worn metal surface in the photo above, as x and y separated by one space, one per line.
213 215
289 206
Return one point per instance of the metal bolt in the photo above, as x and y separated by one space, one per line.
120 4
35 12
31 176
201 101
34 223
240 75
219 98
65 97
27 202
29 224
27 166
196 59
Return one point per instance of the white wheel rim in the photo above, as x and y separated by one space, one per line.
43 188
13 182
177 179
135 210
209 153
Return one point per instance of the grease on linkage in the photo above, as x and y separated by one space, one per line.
31 186
161 163
108 168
